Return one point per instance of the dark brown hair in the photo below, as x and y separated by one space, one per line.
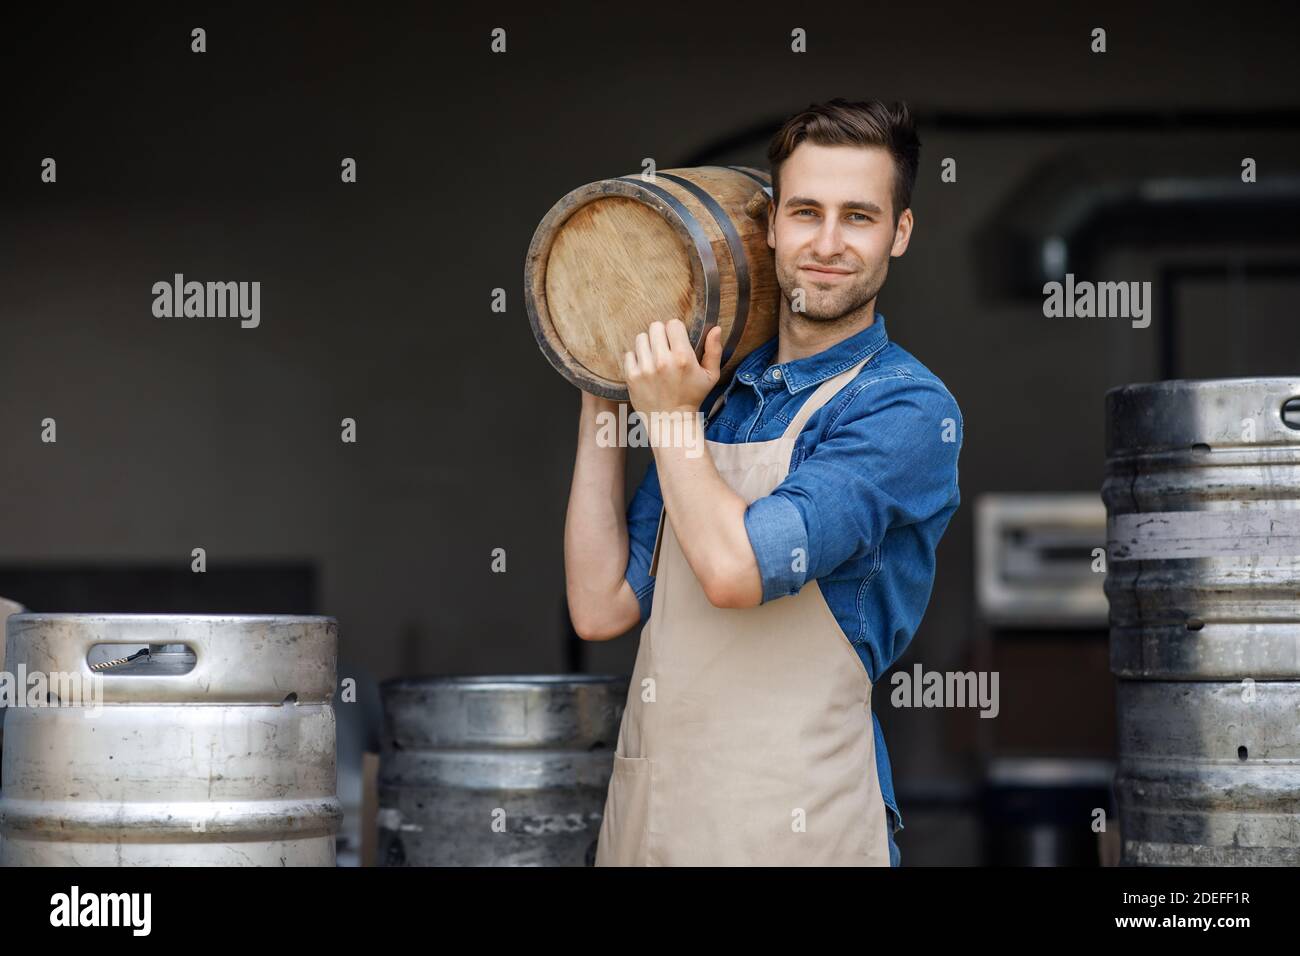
839 122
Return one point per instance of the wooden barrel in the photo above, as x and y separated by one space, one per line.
615 255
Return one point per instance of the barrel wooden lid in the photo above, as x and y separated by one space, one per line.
613 256
607 237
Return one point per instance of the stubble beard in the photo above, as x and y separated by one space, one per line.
825 306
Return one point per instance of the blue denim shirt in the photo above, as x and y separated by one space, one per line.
871 488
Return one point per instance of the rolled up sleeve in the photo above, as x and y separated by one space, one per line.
888 460
778 534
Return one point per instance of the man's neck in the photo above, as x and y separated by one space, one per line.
798 336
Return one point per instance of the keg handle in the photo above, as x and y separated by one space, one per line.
117 661
76 648
1290 412
223 669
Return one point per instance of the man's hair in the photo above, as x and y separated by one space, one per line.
841 123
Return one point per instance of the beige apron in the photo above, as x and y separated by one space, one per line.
747 739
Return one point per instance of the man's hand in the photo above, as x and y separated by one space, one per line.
707 515
663 374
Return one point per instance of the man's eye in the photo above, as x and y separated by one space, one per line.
860 215
800 212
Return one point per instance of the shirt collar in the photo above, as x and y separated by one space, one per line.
813 369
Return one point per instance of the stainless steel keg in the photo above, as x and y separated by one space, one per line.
1202 491
217 749
496 771
7 608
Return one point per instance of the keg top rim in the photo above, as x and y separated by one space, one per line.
170 617
1283 382
485 680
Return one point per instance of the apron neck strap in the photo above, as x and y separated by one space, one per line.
825 392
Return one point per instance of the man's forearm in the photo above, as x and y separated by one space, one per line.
595 526
707 516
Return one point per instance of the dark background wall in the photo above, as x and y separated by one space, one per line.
183 433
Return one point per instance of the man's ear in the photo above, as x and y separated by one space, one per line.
902 233
771 224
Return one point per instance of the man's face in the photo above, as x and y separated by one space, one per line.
834 231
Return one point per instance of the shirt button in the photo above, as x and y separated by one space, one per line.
776 373
747 377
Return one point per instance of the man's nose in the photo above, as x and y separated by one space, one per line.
829 240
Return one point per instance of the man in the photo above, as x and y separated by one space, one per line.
782 571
